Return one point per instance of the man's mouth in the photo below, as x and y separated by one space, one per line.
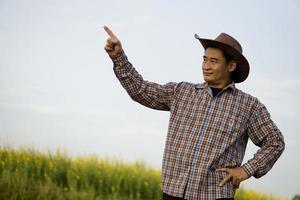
207 74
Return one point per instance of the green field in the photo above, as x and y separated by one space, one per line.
30 174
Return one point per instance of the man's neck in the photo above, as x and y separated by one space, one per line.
219 85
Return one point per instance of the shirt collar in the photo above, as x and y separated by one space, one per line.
205 86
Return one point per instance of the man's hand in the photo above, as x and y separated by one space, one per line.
237 175
113 45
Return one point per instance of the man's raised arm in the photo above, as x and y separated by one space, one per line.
149 94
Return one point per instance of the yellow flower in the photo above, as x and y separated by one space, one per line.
146 184
113 188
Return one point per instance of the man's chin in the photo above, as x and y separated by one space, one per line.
209 81
206 79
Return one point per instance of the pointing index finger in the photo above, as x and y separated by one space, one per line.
109 32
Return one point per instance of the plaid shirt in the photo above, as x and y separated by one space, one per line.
205 133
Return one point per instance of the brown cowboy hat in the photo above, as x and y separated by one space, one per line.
233 48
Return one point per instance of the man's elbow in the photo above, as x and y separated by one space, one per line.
281 145
278 144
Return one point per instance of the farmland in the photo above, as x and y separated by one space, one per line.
30 174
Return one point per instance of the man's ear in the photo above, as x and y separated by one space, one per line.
232 66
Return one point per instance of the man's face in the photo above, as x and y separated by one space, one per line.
216 71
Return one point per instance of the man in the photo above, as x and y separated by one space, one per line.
210 123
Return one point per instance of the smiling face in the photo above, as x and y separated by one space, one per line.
216 69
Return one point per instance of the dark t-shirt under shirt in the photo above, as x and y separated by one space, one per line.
215 91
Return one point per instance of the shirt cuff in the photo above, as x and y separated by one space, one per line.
120 59
249 169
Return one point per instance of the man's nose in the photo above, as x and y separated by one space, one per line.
205 66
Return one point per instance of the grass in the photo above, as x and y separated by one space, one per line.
27 174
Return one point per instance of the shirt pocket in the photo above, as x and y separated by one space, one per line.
234 125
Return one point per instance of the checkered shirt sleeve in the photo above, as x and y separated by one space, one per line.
264 133
149 94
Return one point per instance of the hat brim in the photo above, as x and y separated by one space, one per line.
242 70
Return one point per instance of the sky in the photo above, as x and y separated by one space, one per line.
58 89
